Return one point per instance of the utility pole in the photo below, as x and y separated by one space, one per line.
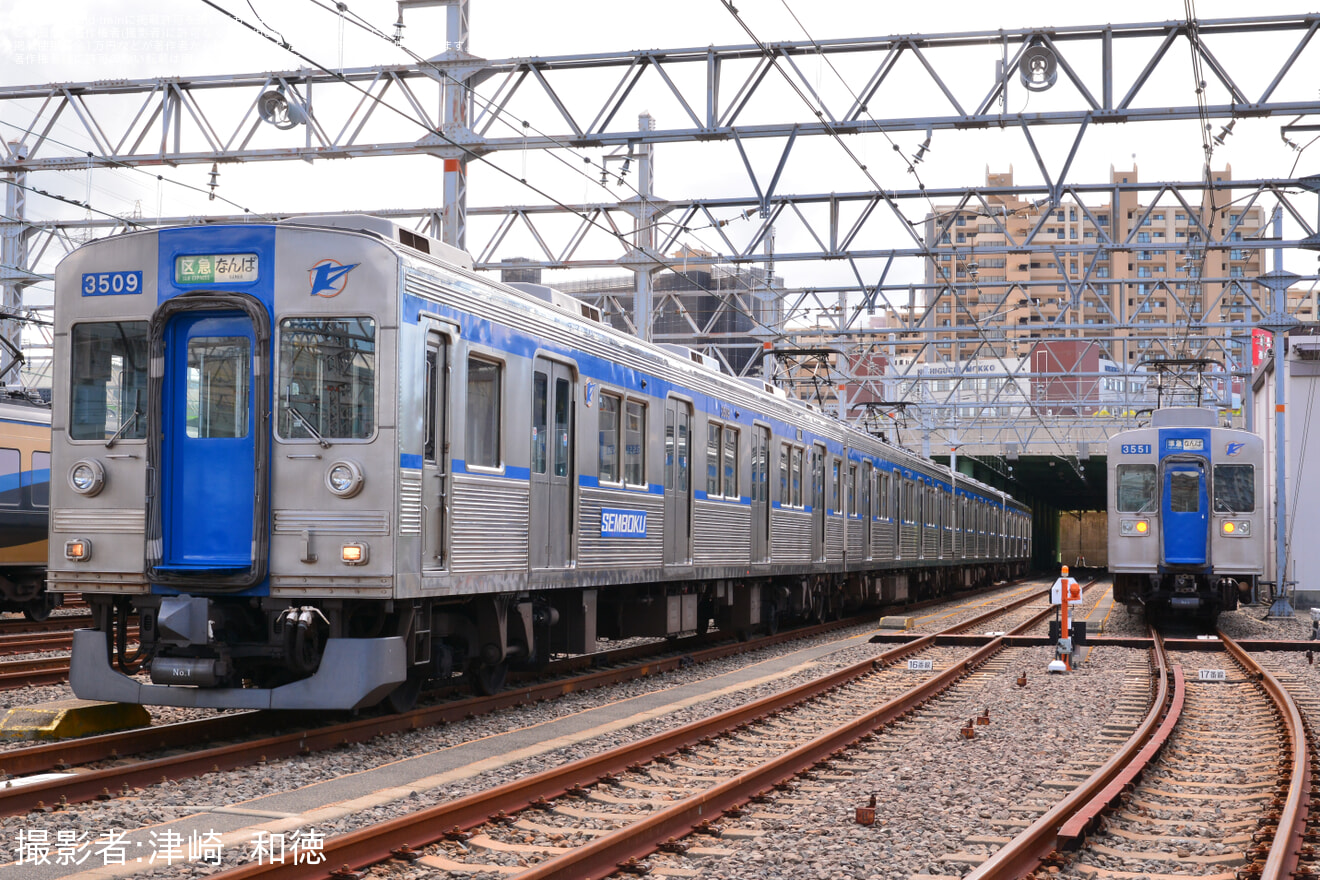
14 275
1279 322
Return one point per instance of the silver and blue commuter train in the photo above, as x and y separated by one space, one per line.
324 461
1187 525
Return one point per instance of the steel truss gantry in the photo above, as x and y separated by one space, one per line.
461 108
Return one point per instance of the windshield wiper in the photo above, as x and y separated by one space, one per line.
302 420
132 420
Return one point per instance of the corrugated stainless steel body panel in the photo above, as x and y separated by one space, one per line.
597 552
855 527
885 544
834 539
333 522
490 524
790 536
119 522
909 539
722 533
410 503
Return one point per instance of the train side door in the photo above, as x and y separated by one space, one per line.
208 450
1184 510
818 503
435 454
678 488
760 493
551 538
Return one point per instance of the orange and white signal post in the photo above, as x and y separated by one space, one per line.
1065 593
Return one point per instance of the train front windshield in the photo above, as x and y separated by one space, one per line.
1136 487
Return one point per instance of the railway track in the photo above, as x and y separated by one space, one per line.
615 807
62 623
310 734
36 671
1214 782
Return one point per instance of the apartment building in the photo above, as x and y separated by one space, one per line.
1167 272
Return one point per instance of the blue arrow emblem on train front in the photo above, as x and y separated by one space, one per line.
329 276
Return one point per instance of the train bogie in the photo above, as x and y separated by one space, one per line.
368 466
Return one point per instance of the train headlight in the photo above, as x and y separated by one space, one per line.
355 553
344 478
78 550
87 477
1133 527
1237 529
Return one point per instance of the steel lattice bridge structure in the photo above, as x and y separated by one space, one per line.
461 109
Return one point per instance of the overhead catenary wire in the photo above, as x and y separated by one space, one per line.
471 155
926 246
524 126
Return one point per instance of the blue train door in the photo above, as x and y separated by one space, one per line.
1185 512
208 455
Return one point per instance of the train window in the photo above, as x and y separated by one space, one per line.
669 450
1136 487
634 444
328 378
109 380
483 413
609 439
837 487
797 477
563 425
540 413
218 368
1184 492
1235 488
852 490
428 408
713 449
730 463
41 479
10 476
683 460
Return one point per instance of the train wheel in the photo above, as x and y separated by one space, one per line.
488 680
404 697
38 609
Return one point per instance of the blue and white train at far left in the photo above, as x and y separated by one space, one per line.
1187 527
366 466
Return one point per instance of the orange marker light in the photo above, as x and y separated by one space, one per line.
1142 526
352 553
1229 528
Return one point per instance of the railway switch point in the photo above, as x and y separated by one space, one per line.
70 719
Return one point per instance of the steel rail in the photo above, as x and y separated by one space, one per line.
56 756
374 844
42 670
1025 852
65 622
1284 851
102 783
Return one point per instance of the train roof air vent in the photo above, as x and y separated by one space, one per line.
1183 417
762 385
558 298
388 230
696 357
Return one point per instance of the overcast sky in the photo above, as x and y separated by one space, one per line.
58 40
